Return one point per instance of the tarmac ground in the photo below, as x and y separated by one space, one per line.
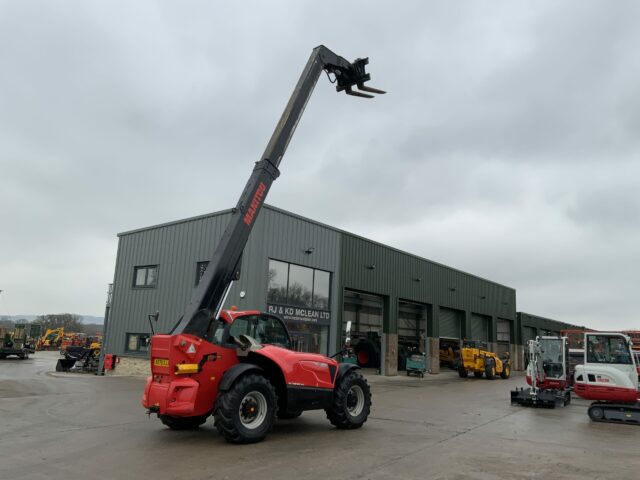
63 426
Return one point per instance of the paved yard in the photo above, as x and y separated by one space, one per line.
443 427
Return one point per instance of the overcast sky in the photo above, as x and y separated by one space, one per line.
508 145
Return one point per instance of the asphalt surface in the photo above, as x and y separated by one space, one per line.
64 426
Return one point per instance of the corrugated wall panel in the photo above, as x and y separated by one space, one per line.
177 247
401 275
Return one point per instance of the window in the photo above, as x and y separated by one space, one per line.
300 291
201 267
137 342
145 277
606 349
298 286
264 329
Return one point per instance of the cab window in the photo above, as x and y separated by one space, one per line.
265 329
606 349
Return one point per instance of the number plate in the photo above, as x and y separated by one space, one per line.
160 362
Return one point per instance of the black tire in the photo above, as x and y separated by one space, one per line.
489 368
2 357
506 371
288 415
343 413
182 423
462 372
477 374
257 395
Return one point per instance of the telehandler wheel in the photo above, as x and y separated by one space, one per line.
506 371
489 369
462 372
182 423
477 374
351 402
245 413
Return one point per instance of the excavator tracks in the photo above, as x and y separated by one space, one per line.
615 413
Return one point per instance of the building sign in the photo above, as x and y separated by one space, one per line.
300 314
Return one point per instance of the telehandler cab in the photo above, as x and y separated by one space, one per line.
236 365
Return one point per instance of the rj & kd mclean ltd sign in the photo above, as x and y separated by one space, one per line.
300 314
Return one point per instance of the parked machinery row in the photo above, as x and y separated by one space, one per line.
608 375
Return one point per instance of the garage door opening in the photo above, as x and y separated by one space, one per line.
412 330
365 312
450 330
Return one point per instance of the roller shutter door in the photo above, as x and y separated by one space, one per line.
450 321
528 333
479 327
503 336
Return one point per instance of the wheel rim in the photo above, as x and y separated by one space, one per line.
355 400
253 410
597 413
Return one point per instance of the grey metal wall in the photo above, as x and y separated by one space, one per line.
399 275
534 325
178 246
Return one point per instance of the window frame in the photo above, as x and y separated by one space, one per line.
138 351
137 268
313 285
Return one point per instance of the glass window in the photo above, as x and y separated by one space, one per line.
278 275
321 285
137 342
146 277
300 291
264 329
309 337
552 357
605 349
298 286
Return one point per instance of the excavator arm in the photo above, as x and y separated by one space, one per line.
209 297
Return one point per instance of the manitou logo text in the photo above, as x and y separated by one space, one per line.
255 203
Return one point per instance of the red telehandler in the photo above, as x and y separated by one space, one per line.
236 365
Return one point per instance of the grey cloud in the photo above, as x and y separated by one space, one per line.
507 145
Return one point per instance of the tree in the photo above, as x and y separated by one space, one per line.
69 321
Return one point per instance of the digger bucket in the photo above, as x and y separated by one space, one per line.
65 364
543 399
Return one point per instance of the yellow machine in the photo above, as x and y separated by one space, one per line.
477 361
51 340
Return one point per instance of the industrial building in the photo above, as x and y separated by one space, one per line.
317 278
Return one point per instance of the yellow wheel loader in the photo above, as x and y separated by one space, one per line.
479 361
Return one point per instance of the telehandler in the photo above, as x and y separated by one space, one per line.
474 359
239 366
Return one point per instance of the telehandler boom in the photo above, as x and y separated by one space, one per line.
239 365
